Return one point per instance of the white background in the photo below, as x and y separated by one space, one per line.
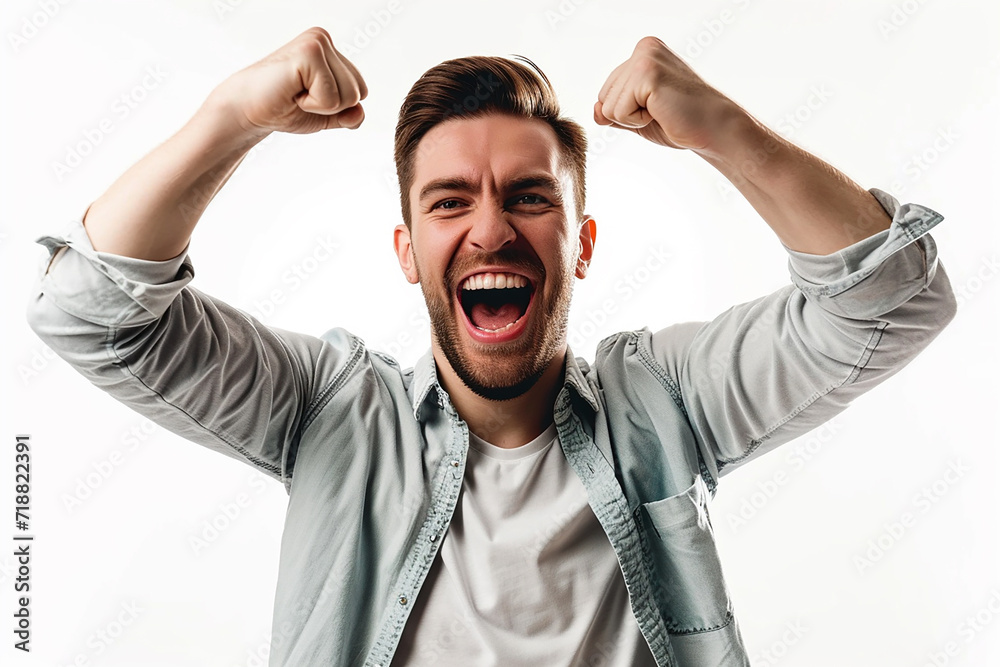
895 78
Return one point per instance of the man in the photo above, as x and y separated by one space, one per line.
502 502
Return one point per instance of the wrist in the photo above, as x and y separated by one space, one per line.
219 118
748 153
737 137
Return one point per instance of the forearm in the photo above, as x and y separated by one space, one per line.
152 209
810 205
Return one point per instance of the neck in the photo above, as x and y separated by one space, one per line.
509 423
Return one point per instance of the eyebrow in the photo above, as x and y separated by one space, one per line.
462 184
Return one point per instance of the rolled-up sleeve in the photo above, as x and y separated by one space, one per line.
767 371
188 361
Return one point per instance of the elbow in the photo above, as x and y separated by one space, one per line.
75 340
40 314
51 324
941 298
918 321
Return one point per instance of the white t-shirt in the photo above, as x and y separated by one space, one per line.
525 575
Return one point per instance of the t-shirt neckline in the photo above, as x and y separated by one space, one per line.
544 439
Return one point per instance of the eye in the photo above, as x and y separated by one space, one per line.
529 200
447 204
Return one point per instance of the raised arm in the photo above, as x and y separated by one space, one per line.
150 212
810 205
868 292
114 299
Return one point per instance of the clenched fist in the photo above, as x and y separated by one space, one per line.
657 96
303 87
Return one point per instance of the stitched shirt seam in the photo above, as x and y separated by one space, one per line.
866 354
112 334
331 388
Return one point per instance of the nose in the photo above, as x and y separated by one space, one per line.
491 229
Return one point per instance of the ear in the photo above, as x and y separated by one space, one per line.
588 237
404 252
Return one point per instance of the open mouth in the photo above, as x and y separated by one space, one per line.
495 303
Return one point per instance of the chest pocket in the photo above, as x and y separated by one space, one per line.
687 576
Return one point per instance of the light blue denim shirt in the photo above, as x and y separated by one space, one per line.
373 456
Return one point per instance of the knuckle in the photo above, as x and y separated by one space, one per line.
317 32
311 49
329 92
647 64
649 43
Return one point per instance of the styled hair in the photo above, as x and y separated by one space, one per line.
477 86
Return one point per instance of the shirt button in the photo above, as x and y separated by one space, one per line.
403 599
455 463
434 537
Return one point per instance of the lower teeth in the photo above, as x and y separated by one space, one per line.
503 328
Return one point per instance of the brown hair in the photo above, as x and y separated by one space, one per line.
476 86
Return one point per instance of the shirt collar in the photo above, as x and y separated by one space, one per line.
424 380
425 383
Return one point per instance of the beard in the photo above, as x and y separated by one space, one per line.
502 371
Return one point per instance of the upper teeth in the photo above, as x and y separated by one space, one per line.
494 281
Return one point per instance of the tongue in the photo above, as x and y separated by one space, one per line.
488 317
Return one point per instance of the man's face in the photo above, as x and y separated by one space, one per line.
494 245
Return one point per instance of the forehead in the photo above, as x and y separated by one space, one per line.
494 146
